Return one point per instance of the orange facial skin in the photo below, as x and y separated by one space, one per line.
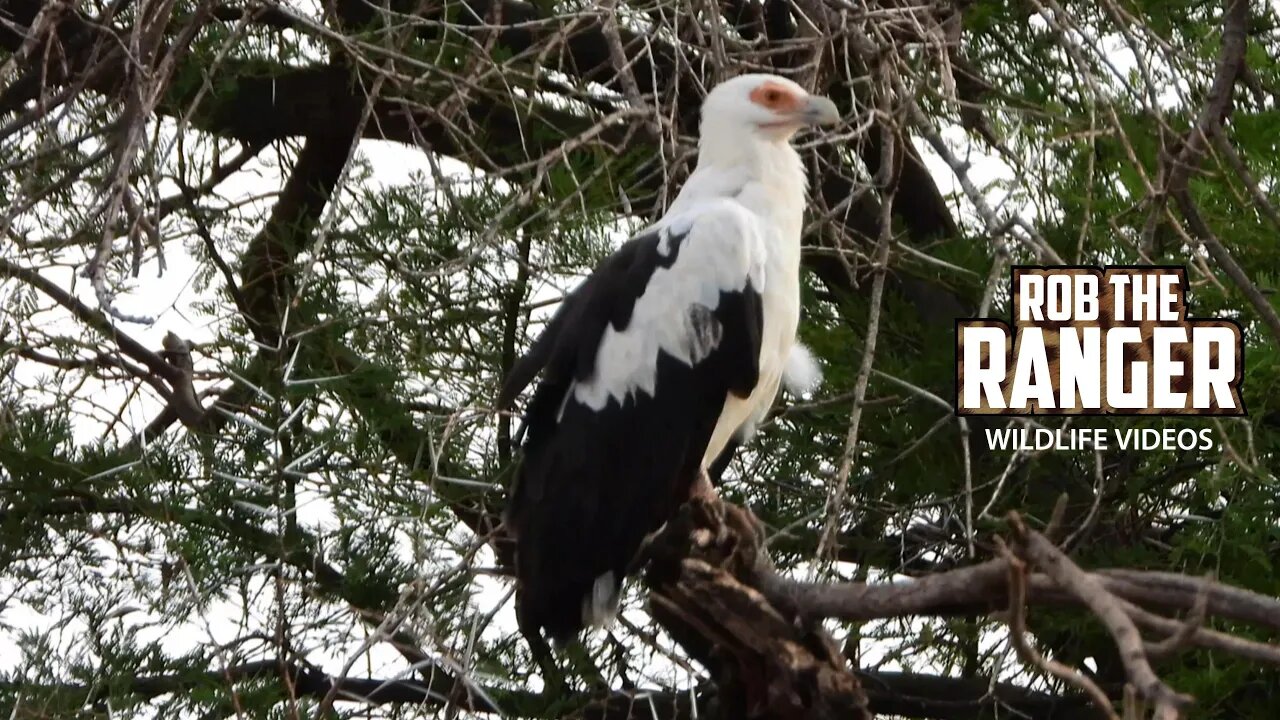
776 97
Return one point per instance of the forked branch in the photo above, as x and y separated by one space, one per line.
717 593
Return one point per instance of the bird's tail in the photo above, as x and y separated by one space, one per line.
560 587
593 483
563 618
573 544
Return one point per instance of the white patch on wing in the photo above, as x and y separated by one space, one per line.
802 374
681 224
722 252
601 607
704 332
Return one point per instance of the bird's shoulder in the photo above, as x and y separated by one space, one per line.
690 256
717 230
721 238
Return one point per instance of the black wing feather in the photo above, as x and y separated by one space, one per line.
564 345
594 483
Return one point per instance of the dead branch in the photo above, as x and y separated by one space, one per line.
1107 607
1029 655
718 594
766 661
171 381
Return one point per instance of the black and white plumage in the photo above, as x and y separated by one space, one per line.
671 350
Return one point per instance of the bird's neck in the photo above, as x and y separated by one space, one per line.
767 177
765 160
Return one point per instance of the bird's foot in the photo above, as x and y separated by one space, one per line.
708 529
722 534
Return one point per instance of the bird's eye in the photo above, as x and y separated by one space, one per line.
771 97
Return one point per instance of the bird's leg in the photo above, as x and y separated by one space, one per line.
702 488
708 509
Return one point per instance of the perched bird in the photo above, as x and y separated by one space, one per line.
669 353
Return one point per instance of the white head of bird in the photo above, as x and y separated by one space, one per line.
744 147
761 109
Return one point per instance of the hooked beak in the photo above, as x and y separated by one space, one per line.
818 110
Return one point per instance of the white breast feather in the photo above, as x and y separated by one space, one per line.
724 249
